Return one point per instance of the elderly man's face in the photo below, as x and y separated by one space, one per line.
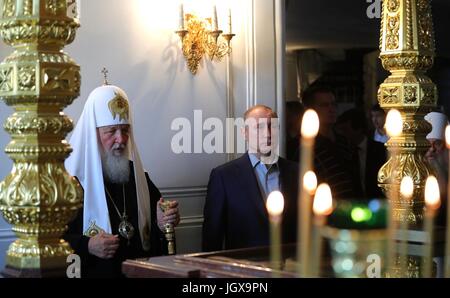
437 149
114 138
261 131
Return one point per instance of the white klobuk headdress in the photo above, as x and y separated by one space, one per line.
439 122
106 105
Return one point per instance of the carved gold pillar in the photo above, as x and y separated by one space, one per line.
407 51
38 198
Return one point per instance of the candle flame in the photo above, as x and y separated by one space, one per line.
310 182
394 123
310 124
432 193
323 201
447 136
275 203
407 187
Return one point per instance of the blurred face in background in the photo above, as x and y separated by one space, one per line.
378 120
354 136
437 151
437 156
326 108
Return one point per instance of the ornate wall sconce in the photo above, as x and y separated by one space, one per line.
202 36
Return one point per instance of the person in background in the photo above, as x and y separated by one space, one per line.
294 114
378 116
437 156
371 155
333 160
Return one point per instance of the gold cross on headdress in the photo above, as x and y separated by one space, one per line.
105 76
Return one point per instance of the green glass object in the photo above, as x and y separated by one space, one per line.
356 232
359 215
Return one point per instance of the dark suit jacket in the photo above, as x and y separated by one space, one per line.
235 213
376 158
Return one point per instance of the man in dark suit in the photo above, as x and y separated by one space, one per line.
235 215
370 155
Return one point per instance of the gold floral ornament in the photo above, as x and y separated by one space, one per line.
201 37
93 230
118 106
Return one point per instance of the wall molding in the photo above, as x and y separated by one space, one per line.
190 222
194 220
250 44
279 18
184 192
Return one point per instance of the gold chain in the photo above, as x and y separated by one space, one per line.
115 206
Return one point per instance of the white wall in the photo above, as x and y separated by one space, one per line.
135 40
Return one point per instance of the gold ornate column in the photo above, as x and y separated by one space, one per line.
38 198
407 51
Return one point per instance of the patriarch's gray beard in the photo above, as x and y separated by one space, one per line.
116 168
439 165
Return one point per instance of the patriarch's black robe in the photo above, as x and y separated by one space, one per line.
92 266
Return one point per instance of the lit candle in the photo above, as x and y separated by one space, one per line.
181 20
406 191
447 241
394 123
394 128
432 203
310 182
215 21
229 21
275 206
309 131
322 206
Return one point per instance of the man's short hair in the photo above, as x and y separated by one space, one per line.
377 108
259 106
294 108
356 118
309 95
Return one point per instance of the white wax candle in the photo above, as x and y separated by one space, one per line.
181 20
432 203
309 131
215 21
229 22
322 207
275 206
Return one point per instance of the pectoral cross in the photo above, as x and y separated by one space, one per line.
105 76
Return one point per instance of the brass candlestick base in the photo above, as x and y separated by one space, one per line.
169 231
412 270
